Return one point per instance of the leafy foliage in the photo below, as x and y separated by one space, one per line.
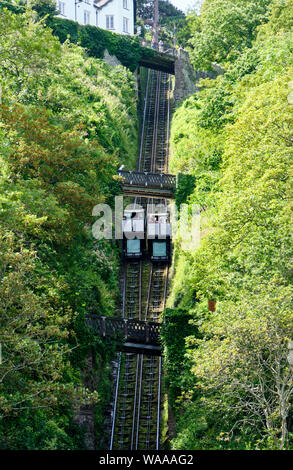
225 28
235 137
67 121
176 326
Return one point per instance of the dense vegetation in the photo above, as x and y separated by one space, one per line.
66 122
235 137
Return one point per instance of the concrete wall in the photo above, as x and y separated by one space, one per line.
185 77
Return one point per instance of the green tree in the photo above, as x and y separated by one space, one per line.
240 374
66 122
244 357
33 338
226 28
45 9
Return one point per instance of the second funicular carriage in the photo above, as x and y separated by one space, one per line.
159 236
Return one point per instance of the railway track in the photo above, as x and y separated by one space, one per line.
157 292
136 411
136 416
132 290
155 127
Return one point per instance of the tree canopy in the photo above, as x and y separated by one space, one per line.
66 122
235 137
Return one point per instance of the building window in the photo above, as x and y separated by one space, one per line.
86 17
125 25
125 4
110 21
61 8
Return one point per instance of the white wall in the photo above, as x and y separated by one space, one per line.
97 16
115 8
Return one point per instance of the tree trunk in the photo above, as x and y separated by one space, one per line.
284 435
156 23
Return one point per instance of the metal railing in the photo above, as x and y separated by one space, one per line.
166 48
150 180
132 330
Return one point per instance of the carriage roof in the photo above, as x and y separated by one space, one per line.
159 214
131 211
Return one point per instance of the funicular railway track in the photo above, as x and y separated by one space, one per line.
155 126
136 410
137 405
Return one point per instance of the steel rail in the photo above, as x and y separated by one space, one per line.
119 367
160 162
166 287
139 286
159 406
156 121
153 166
164 137
148 135
139 401
168 127
141 415
116 401
150 375
134 405
149 293
143 121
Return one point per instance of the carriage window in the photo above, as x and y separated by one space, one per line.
159 249
61 8
133 246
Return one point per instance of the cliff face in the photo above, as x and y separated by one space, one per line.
185 77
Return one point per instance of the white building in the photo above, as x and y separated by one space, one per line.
114 15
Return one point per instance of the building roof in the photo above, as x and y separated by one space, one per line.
101 3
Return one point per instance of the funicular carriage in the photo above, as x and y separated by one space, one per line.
153 236
145 184
159 236
133 229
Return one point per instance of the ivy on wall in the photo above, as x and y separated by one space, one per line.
95 40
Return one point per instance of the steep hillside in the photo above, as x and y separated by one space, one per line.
235 138
67 122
